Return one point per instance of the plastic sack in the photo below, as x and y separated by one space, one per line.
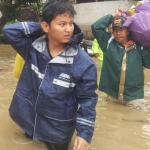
18 66
139 24
131 11
145 7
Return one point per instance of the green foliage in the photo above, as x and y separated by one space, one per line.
10 12
2 39
11 22
11 9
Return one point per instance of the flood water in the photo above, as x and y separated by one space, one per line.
117 127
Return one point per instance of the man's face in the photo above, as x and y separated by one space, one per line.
121 34
61 28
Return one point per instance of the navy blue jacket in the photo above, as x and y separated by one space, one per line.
53 96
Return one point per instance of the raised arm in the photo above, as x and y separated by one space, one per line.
21 36
99 30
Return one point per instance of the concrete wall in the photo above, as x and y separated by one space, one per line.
88 13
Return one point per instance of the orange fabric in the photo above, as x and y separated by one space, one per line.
118 20
130 42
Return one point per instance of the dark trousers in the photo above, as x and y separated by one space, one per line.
52 146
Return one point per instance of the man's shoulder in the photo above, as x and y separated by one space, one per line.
82 54
83 59
139 47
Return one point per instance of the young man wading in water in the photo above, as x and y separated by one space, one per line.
122 76
56 90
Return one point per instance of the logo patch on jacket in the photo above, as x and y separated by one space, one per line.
63 80
64 76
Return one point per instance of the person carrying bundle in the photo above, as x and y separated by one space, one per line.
122 76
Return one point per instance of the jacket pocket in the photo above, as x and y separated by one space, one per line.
57 110
22 112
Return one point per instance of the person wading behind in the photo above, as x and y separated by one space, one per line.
122 76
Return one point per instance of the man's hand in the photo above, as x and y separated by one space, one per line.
118 12
80 144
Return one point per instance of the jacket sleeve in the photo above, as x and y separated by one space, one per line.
99 31
86 97
145 57
21 35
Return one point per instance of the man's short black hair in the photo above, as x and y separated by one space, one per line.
56 7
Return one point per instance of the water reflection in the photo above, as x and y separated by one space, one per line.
117 127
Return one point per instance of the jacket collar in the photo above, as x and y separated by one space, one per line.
130 45
40 46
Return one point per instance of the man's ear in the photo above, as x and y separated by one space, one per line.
45 27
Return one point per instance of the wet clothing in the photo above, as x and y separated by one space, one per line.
138 104
52 146
114 64
97 50
54 95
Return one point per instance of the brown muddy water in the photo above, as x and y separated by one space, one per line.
117 127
